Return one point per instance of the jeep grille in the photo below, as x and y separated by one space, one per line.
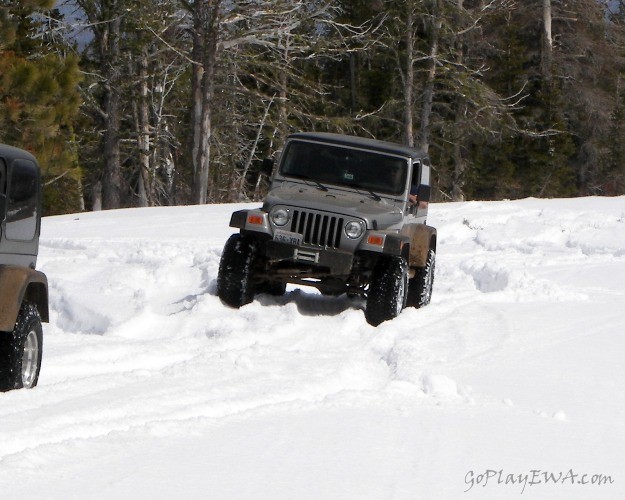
317 228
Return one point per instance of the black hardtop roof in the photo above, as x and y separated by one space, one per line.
11 153
360 142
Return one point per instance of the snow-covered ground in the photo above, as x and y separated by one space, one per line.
511 382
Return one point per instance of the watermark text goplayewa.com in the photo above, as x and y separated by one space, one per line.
534 477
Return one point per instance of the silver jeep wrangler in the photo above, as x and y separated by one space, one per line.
345 215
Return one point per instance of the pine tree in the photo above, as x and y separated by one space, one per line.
39 102
612 181
562 81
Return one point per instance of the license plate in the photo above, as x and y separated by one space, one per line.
287 237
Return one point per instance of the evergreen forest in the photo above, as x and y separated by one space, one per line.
132 103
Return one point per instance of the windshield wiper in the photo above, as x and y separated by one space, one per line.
375 196
308 178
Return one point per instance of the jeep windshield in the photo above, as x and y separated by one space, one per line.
344 166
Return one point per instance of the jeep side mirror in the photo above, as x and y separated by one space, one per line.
267 167
423 192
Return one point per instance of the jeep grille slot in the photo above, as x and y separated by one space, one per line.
317 229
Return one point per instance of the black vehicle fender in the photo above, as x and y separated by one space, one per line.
19 284
254 220
397 245
238 219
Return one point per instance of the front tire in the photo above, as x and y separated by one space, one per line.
21 351
386 296
235 281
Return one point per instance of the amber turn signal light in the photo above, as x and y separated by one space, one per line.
255 219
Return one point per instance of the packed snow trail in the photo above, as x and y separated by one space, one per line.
151 388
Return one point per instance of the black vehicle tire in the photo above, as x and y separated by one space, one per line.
21 350
420 287
235 281
386 296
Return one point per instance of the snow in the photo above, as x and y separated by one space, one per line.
151 388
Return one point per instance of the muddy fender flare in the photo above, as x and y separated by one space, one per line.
423 240
19 284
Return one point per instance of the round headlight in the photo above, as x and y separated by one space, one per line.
280 217
354 229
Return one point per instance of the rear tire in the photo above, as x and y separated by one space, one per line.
21 350
420 287
386 296
235 281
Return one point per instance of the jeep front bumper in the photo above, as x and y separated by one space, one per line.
334 261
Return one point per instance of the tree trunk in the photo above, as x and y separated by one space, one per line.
428 91
352 82
109 54
547 52
250 158
143 136
204 56
409 82
96 197
283 95
460 165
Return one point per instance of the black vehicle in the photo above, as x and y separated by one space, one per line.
345 215
23 290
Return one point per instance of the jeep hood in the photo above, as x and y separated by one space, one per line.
356 203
